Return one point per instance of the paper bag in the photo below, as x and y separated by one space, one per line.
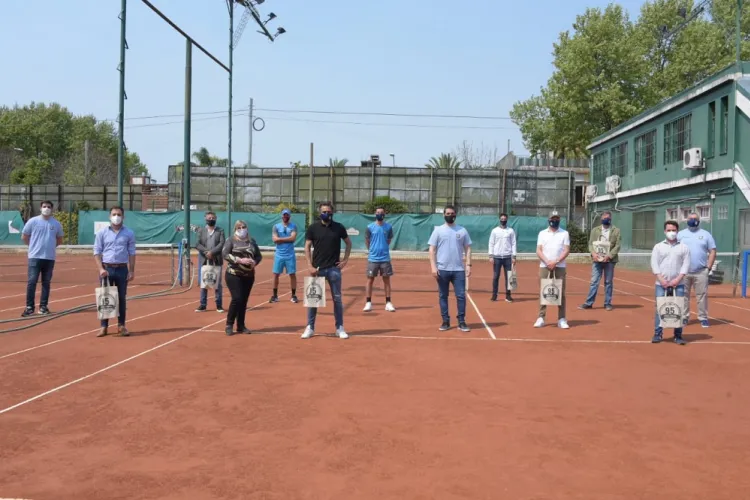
107 301
551 292
315 291
210 276
601 249
670 310
512 279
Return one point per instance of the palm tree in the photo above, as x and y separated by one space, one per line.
336 163
445 161
203 157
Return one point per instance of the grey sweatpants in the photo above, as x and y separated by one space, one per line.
699 281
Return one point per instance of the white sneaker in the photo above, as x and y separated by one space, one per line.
342 333
389 307
368 307
539 323
309 332
563 324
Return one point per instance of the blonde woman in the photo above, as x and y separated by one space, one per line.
242 255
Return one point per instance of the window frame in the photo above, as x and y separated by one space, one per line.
724 215
678 136
685 213
618 159
669 216
600 164
701 206
724 132
711 148
641 146
642 237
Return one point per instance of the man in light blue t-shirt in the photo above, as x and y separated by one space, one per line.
378 238
450 245
284 236
702 256
42 234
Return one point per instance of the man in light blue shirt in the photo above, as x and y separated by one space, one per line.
702 256
284 235
42 234
378 238
114 253
450 245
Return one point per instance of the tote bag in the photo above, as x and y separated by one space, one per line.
107 301
315 291
551 292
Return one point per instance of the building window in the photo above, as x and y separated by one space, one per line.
711 130
685 213
645 151
618 160
672 214
579 196
724 139
600 167
643 230
722 212
677 138
703 211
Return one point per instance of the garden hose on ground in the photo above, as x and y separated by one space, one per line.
162 293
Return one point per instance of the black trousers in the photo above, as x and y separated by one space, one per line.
239 288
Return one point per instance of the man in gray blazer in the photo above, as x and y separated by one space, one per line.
210 243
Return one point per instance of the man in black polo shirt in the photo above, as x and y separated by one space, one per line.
324 239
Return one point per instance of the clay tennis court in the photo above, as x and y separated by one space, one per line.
400 410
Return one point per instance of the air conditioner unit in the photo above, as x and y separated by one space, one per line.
612 184
692 159
591 192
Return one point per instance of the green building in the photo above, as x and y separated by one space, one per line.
691 153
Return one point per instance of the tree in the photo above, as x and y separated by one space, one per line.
336 163
391 205
476 157
445 161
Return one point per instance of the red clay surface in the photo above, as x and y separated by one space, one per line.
400 410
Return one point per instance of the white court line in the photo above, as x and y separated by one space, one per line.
489 330
38 292
62 300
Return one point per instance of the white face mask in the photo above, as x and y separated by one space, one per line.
671 235
241 233
116 220
46 211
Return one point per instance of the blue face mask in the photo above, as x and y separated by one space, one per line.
554 224
693 222
325 216
379 216
606 222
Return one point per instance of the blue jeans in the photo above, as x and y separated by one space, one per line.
333 277
458 278
37 267
597 270
679 291
118 276
498 264
217 290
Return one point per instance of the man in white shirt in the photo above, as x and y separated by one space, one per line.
552 248
670 263
502 252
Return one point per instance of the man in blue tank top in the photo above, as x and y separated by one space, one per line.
378 240
284 236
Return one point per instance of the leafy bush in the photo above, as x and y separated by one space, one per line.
391 205
579 240
281 206
69 222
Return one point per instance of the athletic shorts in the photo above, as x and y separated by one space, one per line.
379 269
285 263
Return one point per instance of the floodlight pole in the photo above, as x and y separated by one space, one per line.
186 161
229 154
121 116
738 34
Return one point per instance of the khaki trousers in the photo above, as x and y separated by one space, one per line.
699 281
559 273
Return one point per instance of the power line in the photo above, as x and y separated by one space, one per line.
372 124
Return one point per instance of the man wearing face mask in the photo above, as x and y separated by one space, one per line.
378 240
670 262
450 262
603 265
284 235
552 248
210 244
323 254
502 250
114 253
42 234
702 256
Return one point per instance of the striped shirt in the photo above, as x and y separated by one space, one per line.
669 260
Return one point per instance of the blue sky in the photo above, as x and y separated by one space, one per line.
415 56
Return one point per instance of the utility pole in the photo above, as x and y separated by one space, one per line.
121 116
250 127
186 138
230 5
310 193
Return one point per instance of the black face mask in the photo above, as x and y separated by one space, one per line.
450 219
379 216
211 223
326 216
503 223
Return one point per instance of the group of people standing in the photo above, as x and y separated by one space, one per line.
680 263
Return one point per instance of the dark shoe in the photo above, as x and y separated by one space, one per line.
200 309
679 340
27 312
445 326
585 306
656 338
273 299
608 308
464 327
493 299
219 309
122 331
43 310
508 298
244 330
228 330
294 299
102 332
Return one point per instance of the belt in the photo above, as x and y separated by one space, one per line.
115 265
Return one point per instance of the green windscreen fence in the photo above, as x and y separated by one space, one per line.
11 225
155 227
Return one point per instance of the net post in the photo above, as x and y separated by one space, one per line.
179 264
745 257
